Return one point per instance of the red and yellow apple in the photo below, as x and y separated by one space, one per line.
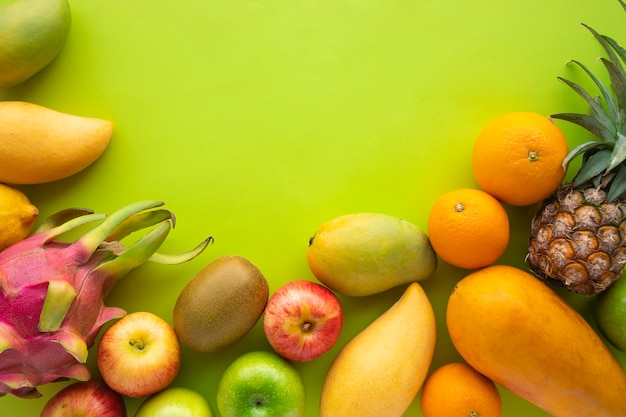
87 399
139 354
302 320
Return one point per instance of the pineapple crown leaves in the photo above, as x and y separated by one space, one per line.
604 159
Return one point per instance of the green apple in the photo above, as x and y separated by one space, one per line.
175 401
610 314
261 384
32 33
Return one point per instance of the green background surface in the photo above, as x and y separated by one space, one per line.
256 121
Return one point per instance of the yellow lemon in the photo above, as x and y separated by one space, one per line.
17 216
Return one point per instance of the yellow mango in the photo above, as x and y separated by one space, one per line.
379 372
39 145
515 330
367 253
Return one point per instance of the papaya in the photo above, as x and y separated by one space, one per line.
516 330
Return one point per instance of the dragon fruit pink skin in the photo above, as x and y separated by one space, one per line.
52 292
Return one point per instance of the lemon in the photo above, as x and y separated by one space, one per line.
610 314
17 216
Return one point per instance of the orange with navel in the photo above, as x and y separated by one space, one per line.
518 158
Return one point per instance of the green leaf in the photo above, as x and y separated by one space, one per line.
604 43
616 72
595 165
606 94
618 83
596 108
590 123
616 47
617 189
619 152
583 148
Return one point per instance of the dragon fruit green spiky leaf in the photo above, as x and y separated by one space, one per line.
52 292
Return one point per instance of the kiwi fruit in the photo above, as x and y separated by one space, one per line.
220 304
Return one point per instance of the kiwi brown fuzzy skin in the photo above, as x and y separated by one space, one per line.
221 304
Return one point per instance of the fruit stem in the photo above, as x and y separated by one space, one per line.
532 157
138 344
459 207
306 326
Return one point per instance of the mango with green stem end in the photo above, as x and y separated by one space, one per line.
32 33
362 254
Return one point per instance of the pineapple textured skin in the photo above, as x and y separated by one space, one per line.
578 238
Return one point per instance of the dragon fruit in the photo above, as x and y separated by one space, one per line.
52 292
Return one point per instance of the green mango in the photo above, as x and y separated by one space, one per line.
367 253
32 32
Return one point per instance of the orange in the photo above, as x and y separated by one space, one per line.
458 390
518 158
468 228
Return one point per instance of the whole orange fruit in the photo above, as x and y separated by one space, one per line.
458 390
518 158
468 228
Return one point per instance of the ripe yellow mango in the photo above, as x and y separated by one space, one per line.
379 372
32 33
367 253
39 145
512 328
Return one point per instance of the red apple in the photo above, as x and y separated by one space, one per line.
87 399
302 320
139 354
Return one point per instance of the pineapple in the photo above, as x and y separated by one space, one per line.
578 237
